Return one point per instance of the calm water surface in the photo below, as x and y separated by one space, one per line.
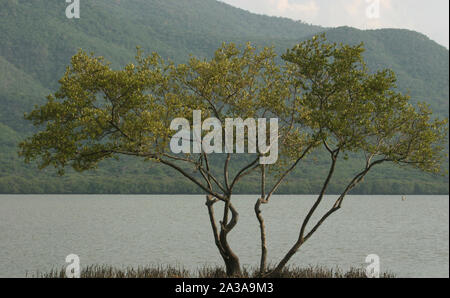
37 232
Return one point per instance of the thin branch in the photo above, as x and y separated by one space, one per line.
214 194
301 239
338 205
294 165
200 168
241 172
263 181
225 172
322 193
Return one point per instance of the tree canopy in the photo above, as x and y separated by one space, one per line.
324 98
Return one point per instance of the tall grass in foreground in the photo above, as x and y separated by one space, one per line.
105 271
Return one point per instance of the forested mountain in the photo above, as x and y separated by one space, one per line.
37 41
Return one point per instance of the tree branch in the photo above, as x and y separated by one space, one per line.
334 154
275 187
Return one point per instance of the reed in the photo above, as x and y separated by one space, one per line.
106 271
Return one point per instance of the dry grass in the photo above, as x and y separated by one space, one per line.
105 271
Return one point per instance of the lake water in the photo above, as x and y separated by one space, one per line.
37 232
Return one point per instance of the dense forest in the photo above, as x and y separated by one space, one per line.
37 41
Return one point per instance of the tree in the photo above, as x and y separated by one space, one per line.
323 97
350 110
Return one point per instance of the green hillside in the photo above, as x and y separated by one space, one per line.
421 65
37 41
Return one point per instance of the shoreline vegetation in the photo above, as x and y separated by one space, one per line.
106 271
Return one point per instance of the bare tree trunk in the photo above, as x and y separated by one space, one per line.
286 259
231 260
232 265
264 199
262 228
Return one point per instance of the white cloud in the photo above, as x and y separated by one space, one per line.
309 8
430 17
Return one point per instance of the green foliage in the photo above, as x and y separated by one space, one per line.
323 95
352 110
420 64
38 41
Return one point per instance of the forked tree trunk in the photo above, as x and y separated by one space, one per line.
231 260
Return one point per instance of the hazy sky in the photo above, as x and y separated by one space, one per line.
430 17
